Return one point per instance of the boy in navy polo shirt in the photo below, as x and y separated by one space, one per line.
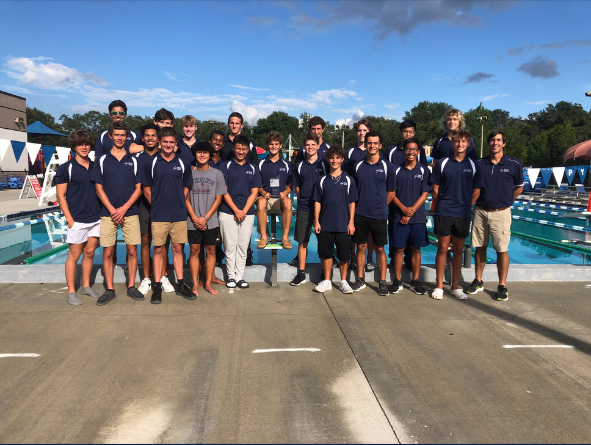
276 176
166 183
503 182
305 175
80 206
216 140
375 187
151 141
118 187
334 210
453 120
396 155
202 223
118 112
409 220
235 125
456 185
316 126
358 152
188 140
236 216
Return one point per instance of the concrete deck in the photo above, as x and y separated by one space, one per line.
402 368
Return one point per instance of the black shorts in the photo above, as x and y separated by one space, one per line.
326 242
144 216
377 227
303 226
206 237
450 225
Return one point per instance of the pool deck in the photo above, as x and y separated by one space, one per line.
10 204
400 369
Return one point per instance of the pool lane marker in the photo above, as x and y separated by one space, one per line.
538 346
261 351
52 215
27 354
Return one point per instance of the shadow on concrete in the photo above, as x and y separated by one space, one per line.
533 326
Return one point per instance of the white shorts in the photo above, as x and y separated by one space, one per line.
80 232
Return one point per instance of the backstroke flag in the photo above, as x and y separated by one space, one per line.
570 174
533 173
558 173
4 144
582 169
33 150
546 175
47 151
17 148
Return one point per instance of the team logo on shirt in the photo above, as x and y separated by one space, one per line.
248 172
128 163
176 168
504 170
379 170
467 170
282 169
419 176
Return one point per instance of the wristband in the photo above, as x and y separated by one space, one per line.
205 216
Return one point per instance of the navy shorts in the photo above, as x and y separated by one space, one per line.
205 237
450 225
415 234
326 242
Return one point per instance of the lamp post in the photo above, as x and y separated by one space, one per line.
482 120
343 128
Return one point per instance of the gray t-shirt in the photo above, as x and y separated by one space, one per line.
206 185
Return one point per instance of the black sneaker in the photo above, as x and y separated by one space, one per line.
156 297
396 286
370 266
352 265
391 264
243 284
184 290
299 279
106 297
475 287
231 283
295 262
383 288
135 294
502 293
358 285
249 261
417 287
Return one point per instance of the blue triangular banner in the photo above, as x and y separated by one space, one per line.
47 151
570 174
582 169
17 148
546 175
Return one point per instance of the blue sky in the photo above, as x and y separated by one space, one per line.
340 60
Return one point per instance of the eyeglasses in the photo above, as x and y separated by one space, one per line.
117 113
411 149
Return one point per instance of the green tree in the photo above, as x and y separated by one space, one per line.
33 115
278 121
427 115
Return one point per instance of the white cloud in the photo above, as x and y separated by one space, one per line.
329 96
242 87
17 90
539 102
391 106
493 96
171 76
50 76
357 115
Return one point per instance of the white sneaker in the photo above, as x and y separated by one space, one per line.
323 286
459 294
145 286
345 288
437 294
166 285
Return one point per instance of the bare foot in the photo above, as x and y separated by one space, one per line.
200 284
216 280
209 288
195 290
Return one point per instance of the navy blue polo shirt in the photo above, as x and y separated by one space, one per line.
143 159
352 157
217 165
81 194
104 143
321 152
334 198
275 176
409 186
456 181
168 180
395 155
228 151
118 179
240 180
499 181
184 151
305 176
442 148
373 183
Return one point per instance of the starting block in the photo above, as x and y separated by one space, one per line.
273 246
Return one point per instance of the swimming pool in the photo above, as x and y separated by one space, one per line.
18 243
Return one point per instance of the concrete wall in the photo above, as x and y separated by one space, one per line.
12 107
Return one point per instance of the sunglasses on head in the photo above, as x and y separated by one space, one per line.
117 113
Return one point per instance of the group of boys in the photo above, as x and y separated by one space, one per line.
166 190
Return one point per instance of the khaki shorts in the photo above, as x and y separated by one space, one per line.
130 229
273 205
497 225
177 231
